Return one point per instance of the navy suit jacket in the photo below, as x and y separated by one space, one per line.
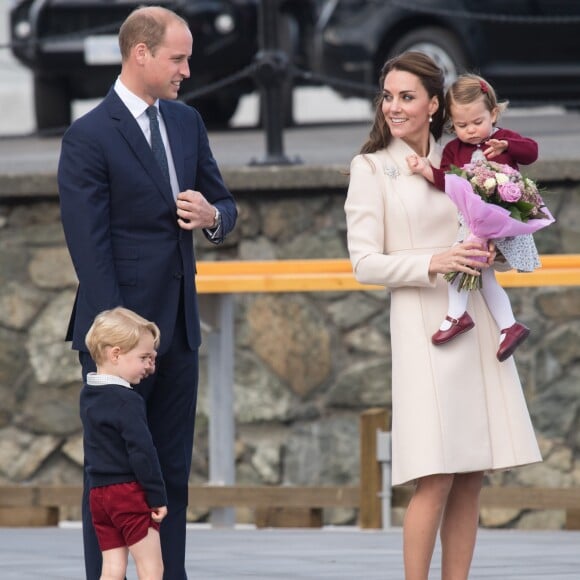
119 216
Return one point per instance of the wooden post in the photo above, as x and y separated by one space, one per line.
371 421
572 519
288 517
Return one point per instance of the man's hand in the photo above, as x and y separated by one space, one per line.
194 211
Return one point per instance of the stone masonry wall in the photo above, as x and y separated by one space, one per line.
306 365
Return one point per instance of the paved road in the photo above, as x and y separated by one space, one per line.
338 554
558 135
330 129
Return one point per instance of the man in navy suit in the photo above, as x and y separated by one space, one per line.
128 226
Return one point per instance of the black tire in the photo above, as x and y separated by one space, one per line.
52 104
439 44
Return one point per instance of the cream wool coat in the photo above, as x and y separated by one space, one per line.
455 407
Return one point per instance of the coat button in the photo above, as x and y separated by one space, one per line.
178 275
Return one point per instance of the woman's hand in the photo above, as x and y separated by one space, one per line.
462 258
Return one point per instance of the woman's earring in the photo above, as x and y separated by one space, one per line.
430 119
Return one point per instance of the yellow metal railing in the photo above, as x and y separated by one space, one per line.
228 277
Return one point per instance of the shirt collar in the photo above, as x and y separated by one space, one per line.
97 380
135 104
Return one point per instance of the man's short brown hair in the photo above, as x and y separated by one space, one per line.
148 25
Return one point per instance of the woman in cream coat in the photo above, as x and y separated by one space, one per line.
457 411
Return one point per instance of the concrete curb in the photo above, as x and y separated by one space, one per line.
273 179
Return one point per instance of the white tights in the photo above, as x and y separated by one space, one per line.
494 295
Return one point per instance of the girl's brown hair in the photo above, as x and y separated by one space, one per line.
469 88
432 79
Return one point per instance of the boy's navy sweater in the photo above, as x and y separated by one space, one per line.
117 442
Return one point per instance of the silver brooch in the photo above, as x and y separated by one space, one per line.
392 172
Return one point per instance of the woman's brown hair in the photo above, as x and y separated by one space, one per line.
432 79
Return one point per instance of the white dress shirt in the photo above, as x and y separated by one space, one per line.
96 380
137 107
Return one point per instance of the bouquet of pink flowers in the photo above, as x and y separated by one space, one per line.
496 201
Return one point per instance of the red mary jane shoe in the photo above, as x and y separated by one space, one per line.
458 326
514 336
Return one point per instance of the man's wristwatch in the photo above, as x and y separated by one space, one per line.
216 219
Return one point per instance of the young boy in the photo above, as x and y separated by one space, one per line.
127 491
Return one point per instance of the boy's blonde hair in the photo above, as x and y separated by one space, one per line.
118 327
469 88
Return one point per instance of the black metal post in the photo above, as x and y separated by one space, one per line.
272 68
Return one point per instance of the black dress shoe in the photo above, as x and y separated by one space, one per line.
514 336
458 326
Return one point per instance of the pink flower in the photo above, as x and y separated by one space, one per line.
509 191
502 185
487 218
507 169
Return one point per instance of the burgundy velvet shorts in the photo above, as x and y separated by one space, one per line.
121 515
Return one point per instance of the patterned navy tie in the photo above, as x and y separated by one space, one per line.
157 143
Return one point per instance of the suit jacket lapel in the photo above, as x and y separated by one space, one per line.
131 132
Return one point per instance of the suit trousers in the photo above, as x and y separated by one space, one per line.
171 397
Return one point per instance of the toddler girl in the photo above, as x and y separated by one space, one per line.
473 109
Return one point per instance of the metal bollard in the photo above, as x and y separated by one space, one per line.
272 68
384 458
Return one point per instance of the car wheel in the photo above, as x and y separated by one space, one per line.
440 45
52 104
217 109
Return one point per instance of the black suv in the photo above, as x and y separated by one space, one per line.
529 50
71 48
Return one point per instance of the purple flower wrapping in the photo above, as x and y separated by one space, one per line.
490 212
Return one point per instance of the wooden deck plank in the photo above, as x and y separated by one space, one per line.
268 496
540 498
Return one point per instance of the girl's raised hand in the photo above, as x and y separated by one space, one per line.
495 147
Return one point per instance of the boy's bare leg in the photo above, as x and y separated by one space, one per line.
147 556
114 564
